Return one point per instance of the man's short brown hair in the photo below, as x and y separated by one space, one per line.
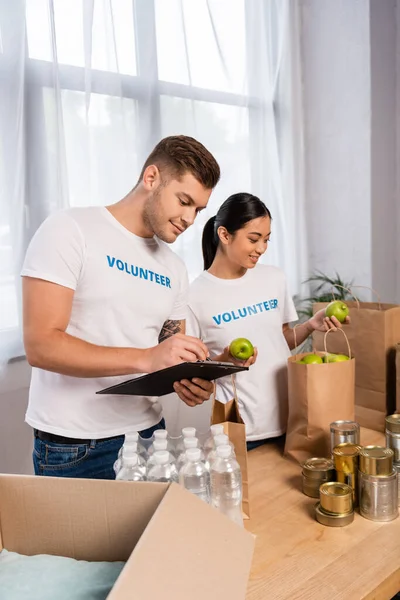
179 154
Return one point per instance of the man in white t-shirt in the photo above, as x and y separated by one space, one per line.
104 298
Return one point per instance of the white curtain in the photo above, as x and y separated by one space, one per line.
88 87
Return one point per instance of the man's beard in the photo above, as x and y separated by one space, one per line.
151 216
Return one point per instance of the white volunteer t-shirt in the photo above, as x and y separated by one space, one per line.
126 287
255 307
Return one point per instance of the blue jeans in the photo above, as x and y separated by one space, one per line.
84 461
256 443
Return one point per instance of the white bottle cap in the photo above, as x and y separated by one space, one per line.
220 440
160 434
190 442
131 437
129 450
217 429
160 444
161 457
130 461
189 432
224 451
130 444
193 454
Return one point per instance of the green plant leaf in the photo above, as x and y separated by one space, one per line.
324 289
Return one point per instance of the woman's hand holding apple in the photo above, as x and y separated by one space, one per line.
320 322
226 356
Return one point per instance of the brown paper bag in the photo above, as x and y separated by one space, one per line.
228 414
373 333
318 395
398 378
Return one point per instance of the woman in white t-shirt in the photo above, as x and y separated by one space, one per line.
234 297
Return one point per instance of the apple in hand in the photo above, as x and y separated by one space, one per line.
332 358
311 359
241 349
338 309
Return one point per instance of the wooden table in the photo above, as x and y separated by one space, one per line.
295 557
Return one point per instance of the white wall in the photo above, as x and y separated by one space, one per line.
383 148
349 74
336 83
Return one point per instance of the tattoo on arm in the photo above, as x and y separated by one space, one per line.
169 328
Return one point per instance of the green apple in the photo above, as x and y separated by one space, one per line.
241 348
311 359
326 358
337 309
332 358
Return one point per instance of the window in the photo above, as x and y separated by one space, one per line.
96 91
112 43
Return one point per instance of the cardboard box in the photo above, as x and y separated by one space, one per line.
175 545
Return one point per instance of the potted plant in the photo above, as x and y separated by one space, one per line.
322 287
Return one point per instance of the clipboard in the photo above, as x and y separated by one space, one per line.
161 382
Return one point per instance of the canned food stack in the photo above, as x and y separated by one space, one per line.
335 506
344 432
378 486
393 442
345 457
364 476
316 471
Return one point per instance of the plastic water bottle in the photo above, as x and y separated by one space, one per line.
226 484
130 470
217 429
219 440
159 445
187 432
160 434
133 437
194 475
187 443
162 470
129 450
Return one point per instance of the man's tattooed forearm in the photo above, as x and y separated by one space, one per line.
169 328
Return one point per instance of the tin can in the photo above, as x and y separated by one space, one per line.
345 458
333 520
376 460
315 472
335 507
344 431
378 496
336 498
393 435
397 469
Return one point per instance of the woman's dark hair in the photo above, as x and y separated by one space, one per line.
233 214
